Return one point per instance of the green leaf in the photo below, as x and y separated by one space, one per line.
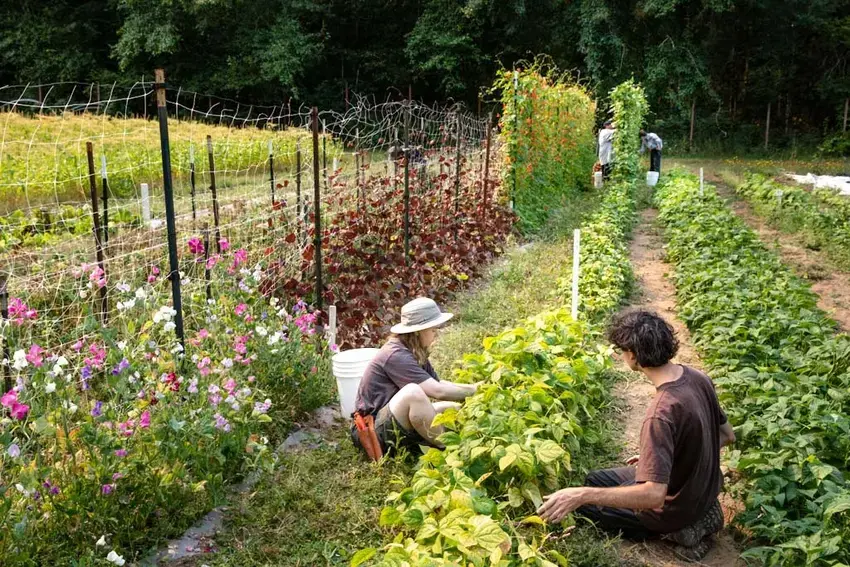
487 532
389 517
506 461
837 505
532 492
362 556
548 451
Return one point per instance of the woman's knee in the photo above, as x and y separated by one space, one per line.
412 392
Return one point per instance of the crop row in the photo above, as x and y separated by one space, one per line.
822 215
525 430
783 374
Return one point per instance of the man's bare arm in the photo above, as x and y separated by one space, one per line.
641 496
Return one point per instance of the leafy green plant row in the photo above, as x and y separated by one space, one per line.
783 374
525 430
547 129
629 106
821 215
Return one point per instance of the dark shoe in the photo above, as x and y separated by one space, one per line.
695 553
693 535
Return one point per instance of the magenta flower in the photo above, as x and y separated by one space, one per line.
145 420
204 366
19 312
240 257
34 355
240 309
230 386
212 261
107 489
121 453
224 244
203 333
19 411
196 246
9 399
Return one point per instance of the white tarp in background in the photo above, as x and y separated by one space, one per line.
840 182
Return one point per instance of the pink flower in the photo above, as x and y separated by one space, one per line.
196 246
240 309
98 277
240 257
9 399
203 333
19 411
121 453
145 420
19 312
230 386
204 366
224 244
212 261
107 489
34 355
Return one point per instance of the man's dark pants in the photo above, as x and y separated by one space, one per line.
655 160
615 519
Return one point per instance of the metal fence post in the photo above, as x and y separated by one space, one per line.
98 243
457 176
206 234
192 179
299 213
317 209
271 169
104 183
214 193
168 189
4 313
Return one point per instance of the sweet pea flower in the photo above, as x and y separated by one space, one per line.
121 367
262 407
221 423
193 386
20 312
113 557
19 411
20 359
230 386
196 246
107 489
50 387
212 261
240 309
101 542
9 399
145 420
14 451
121 453
97 410
224 244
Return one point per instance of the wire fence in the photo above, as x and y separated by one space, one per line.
83 200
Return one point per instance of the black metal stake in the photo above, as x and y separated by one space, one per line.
487 165
407 206
105 186
98 243
168 189
457 176
192 180
299 214
214 194
206 233
4 312
317 211
271 169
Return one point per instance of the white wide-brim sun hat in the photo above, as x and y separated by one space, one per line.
420 314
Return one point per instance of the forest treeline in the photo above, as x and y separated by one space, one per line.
726 63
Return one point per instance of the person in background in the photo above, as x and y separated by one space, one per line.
606 148
399 383
650 141
672 492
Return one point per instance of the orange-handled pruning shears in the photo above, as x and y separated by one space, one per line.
368 437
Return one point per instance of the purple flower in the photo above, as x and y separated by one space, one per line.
14 451
196 246
221 422
51 488
107 489
122 366
97 410
121 453
86 374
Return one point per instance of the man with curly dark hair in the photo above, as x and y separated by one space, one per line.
671 489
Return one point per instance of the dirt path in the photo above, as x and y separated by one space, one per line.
832 286
658 294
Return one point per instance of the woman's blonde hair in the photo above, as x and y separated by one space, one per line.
414 345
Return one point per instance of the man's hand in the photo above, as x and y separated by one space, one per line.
558 504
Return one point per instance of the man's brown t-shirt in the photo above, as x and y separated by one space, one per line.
680 447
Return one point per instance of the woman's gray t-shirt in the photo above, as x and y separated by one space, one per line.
393 368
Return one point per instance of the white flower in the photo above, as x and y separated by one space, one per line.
123 287
83 294
262 331
71 407
273 301
169 326
20 358
227 362
62 361
122 345
141 294
57 370
124 305
115 558
101 542
275 338
22 490
50 387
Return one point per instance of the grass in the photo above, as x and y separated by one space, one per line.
321 506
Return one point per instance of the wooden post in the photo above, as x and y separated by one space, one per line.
767 128
487 165
693 114
98 243
214 194
317 211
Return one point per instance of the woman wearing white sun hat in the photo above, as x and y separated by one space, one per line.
399 383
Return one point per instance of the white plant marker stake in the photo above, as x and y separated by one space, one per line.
779 194
701 190
336 164
331 324
271 149
103 166
146 204
192 154
576 249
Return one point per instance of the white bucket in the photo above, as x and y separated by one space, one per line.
348 368
597 179
651 178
